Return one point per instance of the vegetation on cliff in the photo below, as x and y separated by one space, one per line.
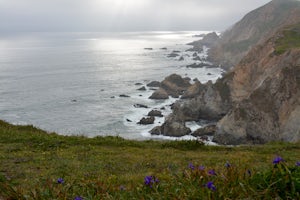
39 165
290 39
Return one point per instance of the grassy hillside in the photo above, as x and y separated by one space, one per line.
289 39
39 165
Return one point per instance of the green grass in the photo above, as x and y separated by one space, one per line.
113 168
290 39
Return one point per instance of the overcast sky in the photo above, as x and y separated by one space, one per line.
122 15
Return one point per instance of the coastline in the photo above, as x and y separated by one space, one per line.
198 51
80 102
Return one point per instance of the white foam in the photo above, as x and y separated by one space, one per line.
136 114
193 125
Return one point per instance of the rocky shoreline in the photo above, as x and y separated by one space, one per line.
255 102
177 88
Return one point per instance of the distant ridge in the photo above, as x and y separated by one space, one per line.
255 27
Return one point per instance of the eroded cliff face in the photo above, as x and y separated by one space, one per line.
254 28
271 112
265 89
257 102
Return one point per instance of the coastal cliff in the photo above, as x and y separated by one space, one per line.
266 90
259 99
253 29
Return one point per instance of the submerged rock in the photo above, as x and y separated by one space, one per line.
201 65
195 65
142 89
175 51
140 106
124 96
173 55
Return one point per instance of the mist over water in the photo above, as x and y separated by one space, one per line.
70 82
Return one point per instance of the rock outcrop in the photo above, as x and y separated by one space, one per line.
266 89
172 127
159 94
155 113
208 130
208 40
173 85
257 102
154 84
147 120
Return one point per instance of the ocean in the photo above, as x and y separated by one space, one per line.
70 83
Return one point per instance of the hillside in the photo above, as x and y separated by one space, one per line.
39 165
253 29
256 102
266 88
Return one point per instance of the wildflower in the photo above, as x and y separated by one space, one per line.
78 198
227 165
249 172
277 160
122 188
212 172
210 185
191 166
150 180
298 164
60 181
201 168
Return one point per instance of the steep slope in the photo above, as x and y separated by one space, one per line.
257 102
254 28
266 89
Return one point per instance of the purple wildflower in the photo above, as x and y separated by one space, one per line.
78 198
60 181
210 185
298 164
150 180
201 168
212 172
249 172
277 160
227 165
191 166
122 188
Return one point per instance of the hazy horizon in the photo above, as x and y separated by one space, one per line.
121 15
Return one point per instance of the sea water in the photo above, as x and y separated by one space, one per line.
70 83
